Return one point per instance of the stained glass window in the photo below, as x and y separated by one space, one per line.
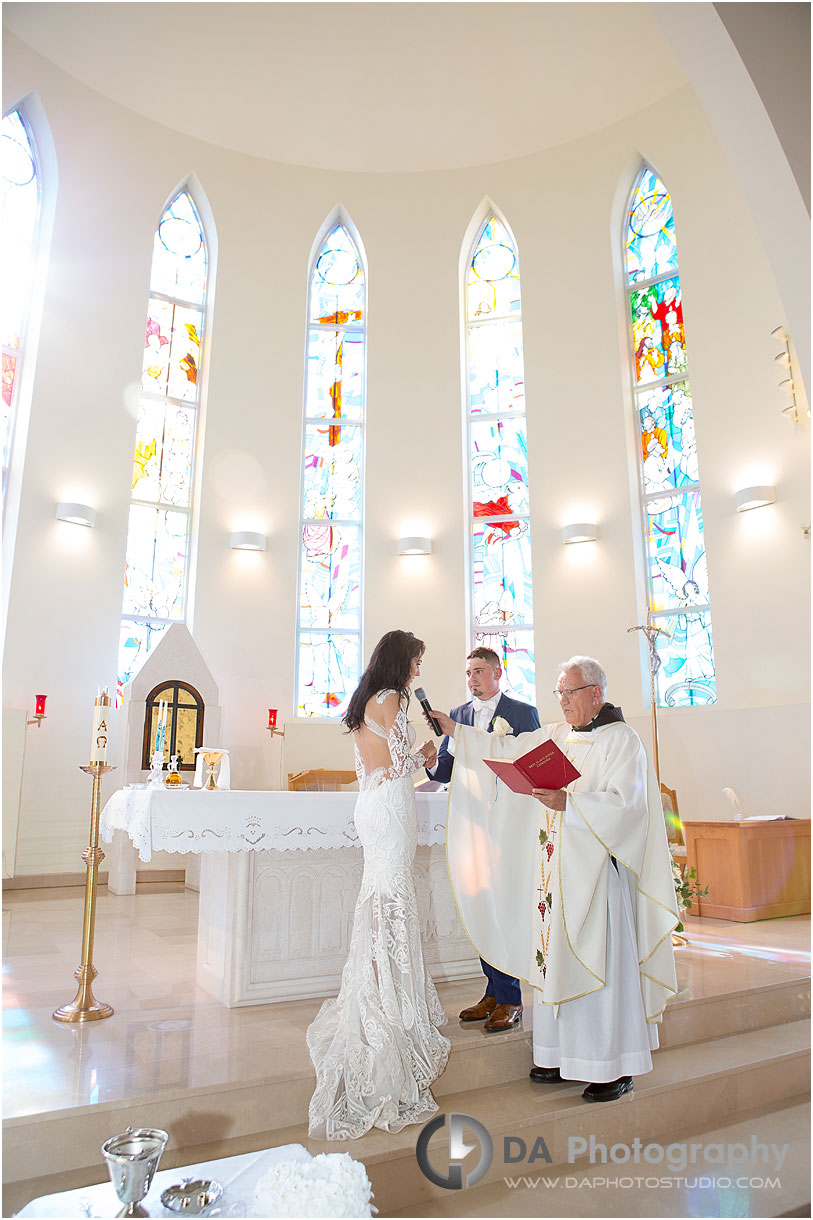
156 571
501 600
677 578
330 530
18 235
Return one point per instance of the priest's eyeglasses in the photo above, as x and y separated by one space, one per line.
571 691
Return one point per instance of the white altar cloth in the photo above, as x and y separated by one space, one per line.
159 819
238 1175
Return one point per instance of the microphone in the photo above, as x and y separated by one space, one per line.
420 695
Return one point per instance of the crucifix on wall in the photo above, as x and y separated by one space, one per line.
652 632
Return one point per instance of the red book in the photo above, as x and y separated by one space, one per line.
543 767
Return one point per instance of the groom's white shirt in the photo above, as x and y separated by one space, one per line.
484 710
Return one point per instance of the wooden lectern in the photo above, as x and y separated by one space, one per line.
754 869
318 779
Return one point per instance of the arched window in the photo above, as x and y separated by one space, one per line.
330 556
184 723
501 591
156 573
677 578
21 186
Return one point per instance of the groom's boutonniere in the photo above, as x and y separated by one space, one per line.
500 727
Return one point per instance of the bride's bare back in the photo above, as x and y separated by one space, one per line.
383 741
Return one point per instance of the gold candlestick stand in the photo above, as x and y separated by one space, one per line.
84 1007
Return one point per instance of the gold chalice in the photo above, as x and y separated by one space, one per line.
211 758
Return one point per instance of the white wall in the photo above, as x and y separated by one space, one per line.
564 207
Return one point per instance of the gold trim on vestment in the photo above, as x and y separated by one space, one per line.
570 999
656 1019
660 983
656 947
609 850
638 890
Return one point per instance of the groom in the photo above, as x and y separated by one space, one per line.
501 1006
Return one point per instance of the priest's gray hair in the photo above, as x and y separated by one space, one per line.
592 672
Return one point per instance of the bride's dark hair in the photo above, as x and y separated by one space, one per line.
388 669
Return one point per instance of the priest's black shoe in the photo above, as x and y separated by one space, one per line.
545 1075
611 1091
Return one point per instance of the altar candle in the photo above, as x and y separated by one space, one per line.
101 728
272 717
40 708
159 729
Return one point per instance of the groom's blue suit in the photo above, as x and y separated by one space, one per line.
523 718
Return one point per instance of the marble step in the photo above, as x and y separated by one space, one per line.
713 1081
710 1082
689 1019
276 1097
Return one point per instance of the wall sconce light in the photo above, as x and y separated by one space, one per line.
754 497
787 384
39 713
76 514
414 546
245 540
583 532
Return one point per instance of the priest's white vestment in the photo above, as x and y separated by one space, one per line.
541 899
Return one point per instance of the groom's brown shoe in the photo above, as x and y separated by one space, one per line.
504 1016
479 1012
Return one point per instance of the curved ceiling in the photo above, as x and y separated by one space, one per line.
372 87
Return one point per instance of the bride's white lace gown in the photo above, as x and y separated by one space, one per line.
376 1048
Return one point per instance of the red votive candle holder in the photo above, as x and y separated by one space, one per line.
272 717
40 708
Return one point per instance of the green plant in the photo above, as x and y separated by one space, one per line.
687 889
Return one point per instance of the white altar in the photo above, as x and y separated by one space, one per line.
280 873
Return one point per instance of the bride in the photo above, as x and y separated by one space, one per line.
376 1048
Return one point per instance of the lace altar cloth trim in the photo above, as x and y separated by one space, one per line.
157 819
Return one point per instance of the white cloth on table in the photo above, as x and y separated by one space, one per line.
165 819
376 1048
238 1175
603 1035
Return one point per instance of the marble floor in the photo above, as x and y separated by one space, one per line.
169 1040
168 1034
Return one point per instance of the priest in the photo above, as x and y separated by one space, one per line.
571 889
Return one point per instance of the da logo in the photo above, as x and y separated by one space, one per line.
458 1151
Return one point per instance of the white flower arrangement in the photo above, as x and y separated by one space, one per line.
501 727
330 1184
